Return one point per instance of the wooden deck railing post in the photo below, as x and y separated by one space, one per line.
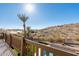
42 51
32 50
22 46
5 37
36 51
10 40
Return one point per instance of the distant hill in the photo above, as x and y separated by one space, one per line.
58 33
14 29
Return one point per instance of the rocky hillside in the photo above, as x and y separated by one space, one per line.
58 33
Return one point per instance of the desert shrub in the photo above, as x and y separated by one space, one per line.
77 39
59 40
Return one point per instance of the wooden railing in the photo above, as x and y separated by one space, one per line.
13 41
32 48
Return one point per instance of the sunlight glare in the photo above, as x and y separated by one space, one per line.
29 8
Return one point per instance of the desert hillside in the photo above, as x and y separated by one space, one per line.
58 33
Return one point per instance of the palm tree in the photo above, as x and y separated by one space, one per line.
23 18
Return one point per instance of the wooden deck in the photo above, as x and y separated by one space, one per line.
5 50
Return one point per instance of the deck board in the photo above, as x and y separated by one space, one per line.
5 50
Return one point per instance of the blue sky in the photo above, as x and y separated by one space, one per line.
45 15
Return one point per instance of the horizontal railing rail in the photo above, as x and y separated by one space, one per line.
51 49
